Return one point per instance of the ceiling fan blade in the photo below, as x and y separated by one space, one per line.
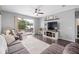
40 13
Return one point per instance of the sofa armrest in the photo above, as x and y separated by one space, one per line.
72 48
54 49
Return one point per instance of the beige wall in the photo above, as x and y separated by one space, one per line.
66 24
8 20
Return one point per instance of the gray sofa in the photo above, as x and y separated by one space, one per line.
11 46
54 49
17 49
72 48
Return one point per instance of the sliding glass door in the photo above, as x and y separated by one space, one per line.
24 25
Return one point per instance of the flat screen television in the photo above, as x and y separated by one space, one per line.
52 25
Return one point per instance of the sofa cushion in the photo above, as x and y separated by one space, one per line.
72 48
15 48
9 38
54 49
22 51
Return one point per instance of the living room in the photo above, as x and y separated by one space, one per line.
54 29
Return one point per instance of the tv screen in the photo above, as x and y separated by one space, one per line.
52 25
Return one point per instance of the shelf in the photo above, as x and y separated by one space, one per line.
52 19
53 31
54 35
49 37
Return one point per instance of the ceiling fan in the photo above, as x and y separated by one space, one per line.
38 11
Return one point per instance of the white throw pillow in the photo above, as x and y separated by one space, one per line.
9 39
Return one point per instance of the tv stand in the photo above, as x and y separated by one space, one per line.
51 34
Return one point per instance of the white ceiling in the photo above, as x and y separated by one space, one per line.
29 9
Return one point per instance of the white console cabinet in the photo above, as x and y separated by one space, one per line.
51 34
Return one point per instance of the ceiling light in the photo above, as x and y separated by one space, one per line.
36 14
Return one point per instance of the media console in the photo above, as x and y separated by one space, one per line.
51 34
51 28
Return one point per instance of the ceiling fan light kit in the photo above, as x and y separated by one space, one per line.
37 12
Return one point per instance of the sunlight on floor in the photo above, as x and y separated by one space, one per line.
33 45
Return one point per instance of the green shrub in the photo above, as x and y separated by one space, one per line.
22 25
